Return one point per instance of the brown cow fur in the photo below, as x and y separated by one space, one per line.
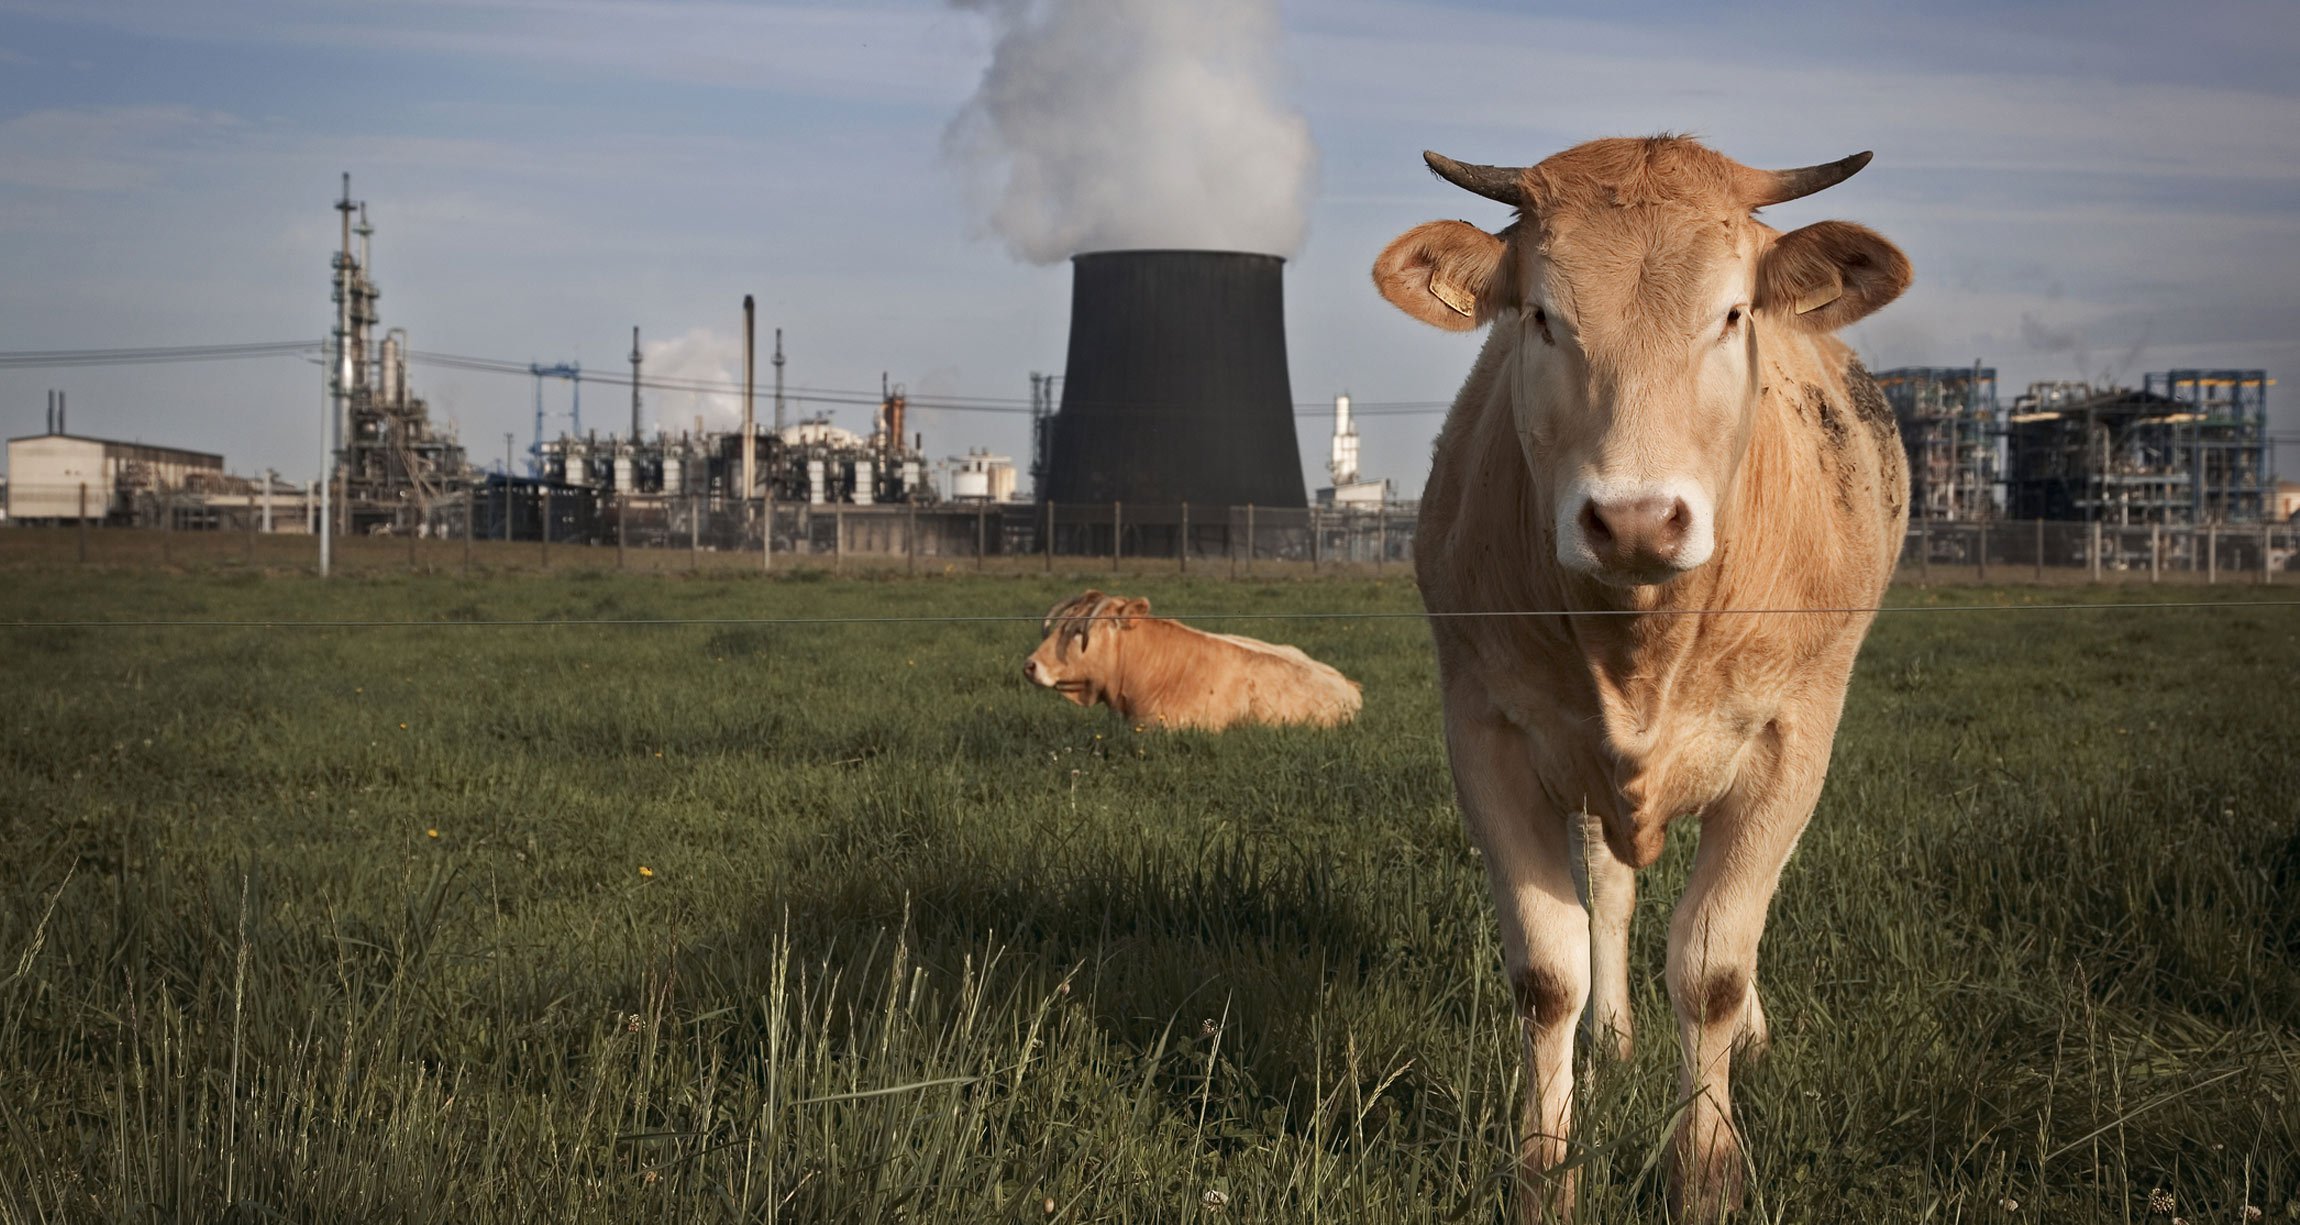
1157 672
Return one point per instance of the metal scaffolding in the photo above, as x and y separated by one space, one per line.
2186 447
1951 428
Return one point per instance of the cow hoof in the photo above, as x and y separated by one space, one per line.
1704 1192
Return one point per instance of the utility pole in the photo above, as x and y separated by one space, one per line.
778 382
635 386
750 432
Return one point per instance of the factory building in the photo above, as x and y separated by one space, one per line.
64 478
2186 447
1349 492
1951 427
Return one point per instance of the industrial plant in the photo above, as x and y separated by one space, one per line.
2186 447
1170 432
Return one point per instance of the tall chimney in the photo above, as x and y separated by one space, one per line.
634 384
1176 388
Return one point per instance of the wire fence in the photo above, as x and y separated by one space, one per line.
538 526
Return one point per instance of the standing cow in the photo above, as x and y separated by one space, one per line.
1662 433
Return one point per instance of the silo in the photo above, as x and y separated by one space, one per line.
1176 387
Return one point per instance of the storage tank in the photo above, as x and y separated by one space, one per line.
1176 387
674 466
815 493
624 467
865 482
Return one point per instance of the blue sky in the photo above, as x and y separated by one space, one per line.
2095 187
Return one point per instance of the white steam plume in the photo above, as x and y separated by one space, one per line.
1111 124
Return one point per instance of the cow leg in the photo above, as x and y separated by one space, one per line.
1544 935
1712 972
1609 890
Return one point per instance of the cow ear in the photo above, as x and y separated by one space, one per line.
1448 274
1829 274
1137 607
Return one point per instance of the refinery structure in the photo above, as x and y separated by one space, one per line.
2185 448
1169 433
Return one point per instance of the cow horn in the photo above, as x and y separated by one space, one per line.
1780 186
1500 183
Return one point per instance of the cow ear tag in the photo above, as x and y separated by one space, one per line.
1820 295
1461 303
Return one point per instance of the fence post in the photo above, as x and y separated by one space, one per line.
250 512
622 526
838 537
2040 550
695 532
1982 553
2155 551
981 526
411 531
1117 535
1924 551
2093 550
546 533
83 523
1182 543
1313 540
2264 543
1381 535
1249 538
2212 554
767 535
1050 535
470 513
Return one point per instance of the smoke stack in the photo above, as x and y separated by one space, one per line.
51 410
1176 388
60 426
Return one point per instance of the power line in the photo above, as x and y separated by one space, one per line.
996 619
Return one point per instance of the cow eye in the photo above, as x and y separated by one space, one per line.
1732 323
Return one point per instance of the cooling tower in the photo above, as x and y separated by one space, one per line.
1175 388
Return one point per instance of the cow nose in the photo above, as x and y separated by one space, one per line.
1634 532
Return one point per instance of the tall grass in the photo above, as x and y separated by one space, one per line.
352 924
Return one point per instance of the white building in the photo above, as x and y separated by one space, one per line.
67 477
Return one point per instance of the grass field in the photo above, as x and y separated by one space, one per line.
709 922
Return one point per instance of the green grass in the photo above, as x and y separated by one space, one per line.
922 944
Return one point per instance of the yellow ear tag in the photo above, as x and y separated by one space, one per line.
1809 302
1452 295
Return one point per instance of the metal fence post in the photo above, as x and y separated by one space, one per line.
249 511
1924 551
622 524
470 514
83 523
1182 543
2264 539
981 528
695 505
546 533
1249 538
411 531
1381 535
1982 553
2040 550
2212 554
1313 540
838 538
1117 535
910 538
2155 551
1049 535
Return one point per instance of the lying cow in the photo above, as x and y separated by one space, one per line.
1109 649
